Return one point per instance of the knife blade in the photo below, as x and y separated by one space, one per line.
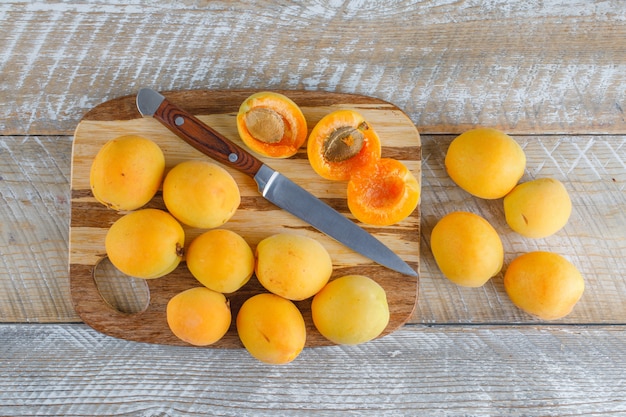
272 185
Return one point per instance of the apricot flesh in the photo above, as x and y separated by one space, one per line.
292 266
486 163
544 284
467 248
384 193
350 310
201 194
199 316
127 172
271 328
221 260
146 243
538 208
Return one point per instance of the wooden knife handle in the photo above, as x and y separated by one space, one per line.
206 139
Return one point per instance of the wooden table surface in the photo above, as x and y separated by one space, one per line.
550 73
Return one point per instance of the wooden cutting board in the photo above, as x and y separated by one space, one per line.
255 219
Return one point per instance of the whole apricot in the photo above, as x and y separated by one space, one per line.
292 266
350 310
199 316
201 194
271 328
544 284
485 162
146 243
221 260
466 248
127 172
538 208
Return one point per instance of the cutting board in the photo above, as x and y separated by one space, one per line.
254 220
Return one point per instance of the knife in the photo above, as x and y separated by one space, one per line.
274 186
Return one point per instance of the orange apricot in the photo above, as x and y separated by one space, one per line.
146 243
341 143
486 163
544 284
201 194
467 249
199 316
350 310
271 328
271 124
127 172
292 266
221 260
383 193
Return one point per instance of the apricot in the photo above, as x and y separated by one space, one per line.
271 124
199 316
341 143
485 162
383 193
544 284
271 328
466 248
127 172
201 194
221 260
350 310
292 266
146 243
538 208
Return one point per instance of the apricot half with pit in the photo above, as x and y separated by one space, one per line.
341 143
199 316
486 163
127 172
292 266
350 310
271 328
538 208
221 260
544 284
271 124
201 194
146 243
467 249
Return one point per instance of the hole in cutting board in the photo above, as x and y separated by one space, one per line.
122 292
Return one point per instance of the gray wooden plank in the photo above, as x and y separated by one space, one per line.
441 371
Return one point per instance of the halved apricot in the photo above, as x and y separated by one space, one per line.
383 193
341 143
271 124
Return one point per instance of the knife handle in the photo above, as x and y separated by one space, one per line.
206 139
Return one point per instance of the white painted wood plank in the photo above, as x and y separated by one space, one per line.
440 371
527 66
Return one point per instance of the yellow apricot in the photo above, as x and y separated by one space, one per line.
127 172
146 243
200 194
538 208
544 284
466 248
271 328
221 260
485 162
199 316
292 266
350 310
